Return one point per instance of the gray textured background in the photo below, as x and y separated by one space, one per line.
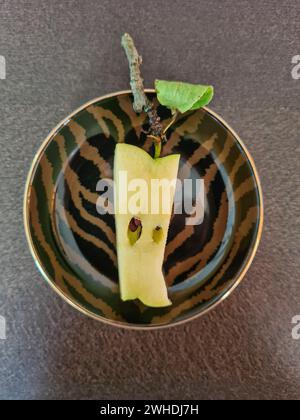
59 55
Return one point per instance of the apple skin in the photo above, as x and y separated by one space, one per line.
140 264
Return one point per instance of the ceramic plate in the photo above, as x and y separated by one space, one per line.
74 247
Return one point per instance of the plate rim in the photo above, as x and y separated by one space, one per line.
100 318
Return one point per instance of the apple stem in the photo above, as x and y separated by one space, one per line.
141 102
157 149
157 142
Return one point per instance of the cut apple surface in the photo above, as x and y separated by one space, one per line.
144 195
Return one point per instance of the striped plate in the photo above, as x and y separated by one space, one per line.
74 247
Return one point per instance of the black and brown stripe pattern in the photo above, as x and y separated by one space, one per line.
75 246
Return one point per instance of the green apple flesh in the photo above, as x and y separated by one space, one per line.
140 261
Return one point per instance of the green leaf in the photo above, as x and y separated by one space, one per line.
183 96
